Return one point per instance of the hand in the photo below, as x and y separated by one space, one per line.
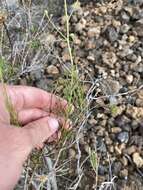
31 106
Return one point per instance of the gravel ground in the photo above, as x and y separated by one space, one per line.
107 43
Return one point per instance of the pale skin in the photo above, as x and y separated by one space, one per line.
16 143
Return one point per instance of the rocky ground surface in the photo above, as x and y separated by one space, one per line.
107 43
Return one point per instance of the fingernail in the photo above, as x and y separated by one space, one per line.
53 123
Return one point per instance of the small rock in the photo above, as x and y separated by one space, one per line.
72 153
47 39
65 55
87 148
138 160
109 58
125 52
131 38
80 26
123 137
139 102
111 149
125 16
52 70
124 161
135 112
102 170
111 34
91 58
116 130
139 27
139 31
45 84
129 79
116 167
132 57
124 28
94 32
140 94
130 150
119 149
124 173
36 75
114 86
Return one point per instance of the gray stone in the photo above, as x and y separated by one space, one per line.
111 34
124 28
36 75
124 16
125 52
116 167
139 27
123 137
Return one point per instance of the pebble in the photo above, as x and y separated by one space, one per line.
72 153
135 112
116 130
124 173
125 52
111 34
130 150
129 79
140 94
47 39
138 160
116 167
119 149
139 102
114 86
125 16
52 70
80 26
124 28
131 38
139 27
109 58
123 137
36 75
124 161
102 170
94 32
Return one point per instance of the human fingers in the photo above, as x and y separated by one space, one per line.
24 97
39 131
28 115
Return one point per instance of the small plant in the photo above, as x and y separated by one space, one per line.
113 109
6 69
94 161
73 90
35 44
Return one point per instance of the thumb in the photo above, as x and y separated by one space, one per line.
40 130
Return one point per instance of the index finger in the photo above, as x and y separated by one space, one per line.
24 97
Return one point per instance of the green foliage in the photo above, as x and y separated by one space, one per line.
6 70
113 109
73 89
35 44
94 160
